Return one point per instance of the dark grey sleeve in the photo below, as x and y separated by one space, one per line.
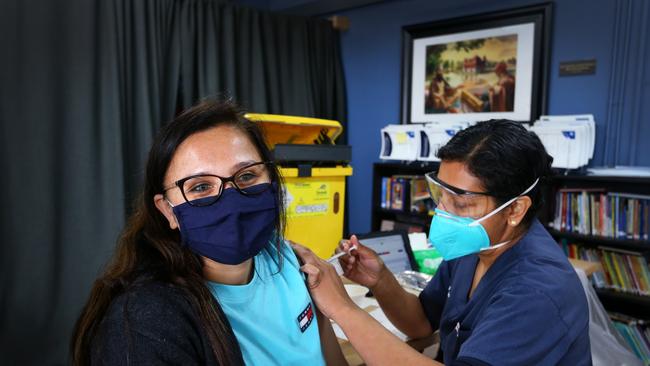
148 327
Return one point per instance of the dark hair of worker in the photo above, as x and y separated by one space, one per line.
505 157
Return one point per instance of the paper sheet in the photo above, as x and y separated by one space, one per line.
338 331
419 241
378 315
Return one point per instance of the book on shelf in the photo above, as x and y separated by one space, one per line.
622 270
385 188
393 193
636 333
420 200
600 213
398 193
405 193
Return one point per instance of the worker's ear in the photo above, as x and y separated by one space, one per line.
518 209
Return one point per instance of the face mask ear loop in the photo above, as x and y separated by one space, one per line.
169 203
495 246
478 221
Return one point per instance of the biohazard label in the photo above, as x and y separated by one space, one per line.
307 199
307 209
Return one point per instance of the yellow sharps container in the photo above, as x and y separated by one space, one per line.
314 171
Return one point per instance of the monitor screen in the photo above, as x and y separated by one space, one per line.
391 248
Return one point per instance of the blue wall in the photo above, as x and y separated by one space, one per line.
582 29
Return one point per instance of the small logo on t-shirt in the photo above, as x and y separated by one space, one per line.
305 318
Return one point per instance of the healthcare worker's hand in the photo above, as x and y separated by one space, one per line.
324 283
362 265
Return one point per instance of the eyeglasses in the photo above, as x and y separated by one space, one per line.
205 189
456 200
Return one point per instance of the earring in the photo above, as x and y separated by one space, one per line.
513 223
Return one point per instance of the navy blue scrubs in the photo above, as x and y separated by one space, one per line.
528 309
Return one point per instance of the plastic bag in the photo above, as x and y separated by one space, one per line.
414 280
608 348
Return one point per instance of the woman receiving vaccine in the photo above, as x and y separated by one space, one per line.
202 274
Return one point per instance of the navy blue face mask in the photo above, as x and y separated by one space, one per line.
233 229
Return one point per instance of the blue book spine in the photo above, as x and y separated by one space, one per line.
641 217
383 192
617 212
621 218
578 211
645 223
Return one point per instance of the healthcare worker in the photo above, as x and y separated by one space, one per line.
505 293
201 274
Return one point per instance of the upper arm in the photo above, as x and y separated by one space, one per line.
521 326
145 328
132 347
329 343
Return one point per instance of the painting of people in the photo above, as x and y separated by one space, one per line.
477 67
471 76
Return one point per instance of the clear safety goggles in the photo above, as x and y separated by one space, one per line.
456 200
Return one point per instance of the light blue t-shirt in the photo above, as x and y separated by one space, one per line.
273 316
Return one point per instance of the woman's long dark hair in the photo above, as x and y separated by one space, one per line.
148 246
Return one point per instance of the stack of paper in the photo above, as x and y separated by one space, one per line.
620 171
434 136
570 140
416 141
400 142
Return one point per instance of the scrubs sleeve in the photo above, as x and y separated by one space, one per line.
521 326
467 361
434 296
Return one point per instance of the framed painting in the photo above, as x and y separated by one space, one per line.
478 67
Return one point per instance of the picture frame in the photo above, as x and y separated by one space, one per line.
478 67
